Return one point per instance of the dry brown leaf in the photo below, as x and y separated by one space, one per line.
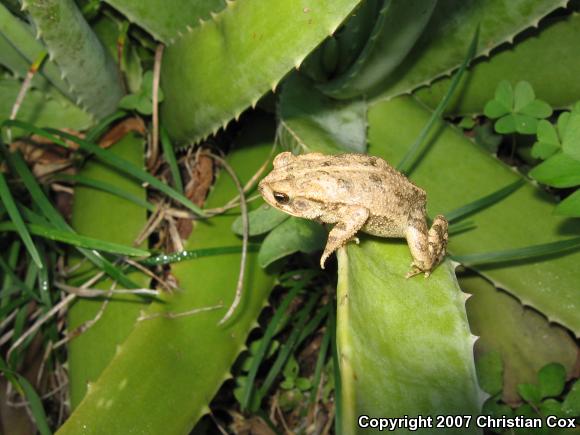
116 133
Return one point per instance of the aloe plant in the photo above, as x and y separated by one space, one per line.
338 75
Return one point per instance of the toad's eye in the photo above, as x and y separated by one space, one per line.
281 198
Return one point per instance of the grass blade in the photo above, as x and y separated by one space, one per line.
169 154
15 282
193 254
461 227
11 262
130 169
54 217
27 390
74 239
264 344
320 361
14 214
336 370
109 159
484 202
287 348
525 253
106 187
410 158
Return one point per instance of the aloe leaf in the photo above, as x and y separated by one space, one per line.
549 283
404 344
399 26
19 35
211 74
354 34
553 79
178 364
525 340
167 20
11 59
441 47
96 213
315 121
85 64
40 108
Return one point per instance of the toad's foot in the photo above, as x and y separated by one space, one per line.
344 231
428 248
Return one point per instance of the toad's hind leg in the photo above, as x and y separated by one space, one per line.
428 247
354 219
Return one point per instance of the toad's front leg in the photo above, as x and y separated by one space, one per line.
427 247
353 219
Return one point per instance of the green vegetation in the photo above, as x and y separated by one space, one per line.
133 136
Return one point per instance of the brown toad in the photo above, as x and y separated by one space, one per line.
356 192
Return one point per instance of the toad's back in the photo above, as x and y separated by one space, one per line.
356 179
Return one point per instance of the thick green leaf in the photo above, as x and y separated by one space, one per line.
404 344
41 109
524 339
490 372
560 170
550 283
315 121
211 74
85 64
293 235
399 24
354 34
166 20
443 44
97 213
178 364
547 61
20 49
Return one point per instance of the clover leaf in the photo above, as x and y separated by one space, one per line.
571 404
551 380
516 111
571 135
142 101
549 141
